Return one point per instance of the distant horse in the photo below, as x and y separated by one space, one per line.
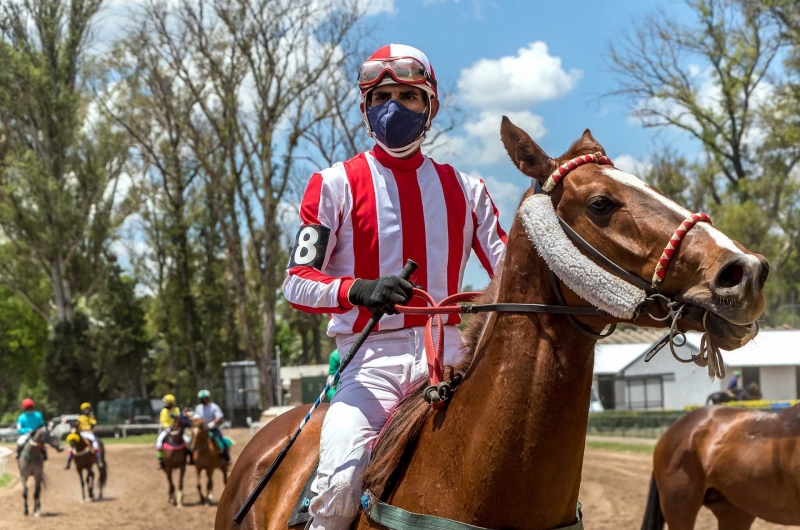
739 463
173 454
31 462
85 460
507 450
206 457
753 392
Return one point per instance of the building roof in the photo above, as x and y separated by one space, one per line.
769 348
634 335
610 359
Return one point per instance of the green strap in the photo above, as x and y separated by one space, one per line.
396 518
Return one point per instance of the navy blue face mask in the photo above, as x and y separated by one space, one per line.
394 125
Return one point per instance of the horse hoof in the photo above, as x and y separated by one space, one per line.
37 514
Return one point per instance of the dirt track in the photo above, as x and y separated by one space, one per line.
613 494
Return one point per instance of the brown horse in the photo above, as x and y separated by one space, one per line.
85 460
740 463
206 458
507 450
174 452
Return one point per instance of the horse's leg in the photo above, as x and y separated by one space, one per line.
199 487
83 487
37 505
210 485
90 482
168 471
180 486
25 491
729 517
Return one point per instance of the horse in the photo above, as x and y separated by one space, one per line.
173 455
740 463
753 392
206 458
85 460
31 462
506 450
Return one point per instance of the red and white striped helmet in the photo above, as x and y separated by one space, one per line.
397 64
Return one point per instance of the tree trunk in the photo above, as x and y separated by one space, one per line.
61 291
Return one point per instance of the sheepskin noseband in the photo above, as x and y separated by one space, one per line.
587 279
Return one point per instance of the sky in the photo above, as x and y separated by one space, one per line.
545 64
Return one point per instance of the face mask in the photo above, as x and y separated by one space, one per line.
394 126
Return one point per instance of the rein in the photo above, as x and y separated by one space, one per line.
440 390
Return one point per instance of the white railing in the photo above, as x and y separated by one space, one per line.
254 425
4 454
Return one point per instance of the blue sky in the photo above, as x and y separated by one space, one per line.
545 61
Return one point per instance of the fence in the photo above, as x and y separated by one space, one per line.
4 454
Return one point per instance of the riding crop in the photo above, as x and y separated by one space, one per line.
405 274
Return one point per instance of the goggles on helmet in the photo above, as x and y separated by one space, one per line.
404 70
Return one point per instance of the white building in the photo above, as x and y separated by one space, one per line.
624 381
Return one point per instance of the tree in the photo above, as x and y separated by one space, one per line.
58 171
715 81
254 70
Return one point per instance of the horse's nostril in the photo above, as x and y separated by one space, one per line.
731 276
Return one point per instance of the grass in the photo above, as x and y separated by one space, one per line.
5 480
137 439
621 446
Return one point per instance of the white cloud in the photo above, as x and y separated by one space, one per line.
630 164
516 82
481 146
376 7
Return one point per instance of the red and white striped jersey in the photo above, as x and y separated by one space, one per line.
365 217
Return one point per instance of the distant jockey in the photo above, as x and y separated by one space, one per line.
169 414
27 423
212 415
85 424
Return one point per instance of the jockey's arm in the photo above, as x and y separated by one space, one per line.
307 286
489 239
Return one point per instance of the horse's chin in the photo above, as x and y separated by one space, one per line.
727 335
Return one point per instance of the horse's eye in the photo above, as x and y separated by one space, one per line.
601 206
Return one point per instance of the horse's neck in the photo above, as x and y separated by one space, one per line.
519 418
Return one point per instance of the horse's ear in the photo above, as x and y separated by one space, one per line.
584 145
525 153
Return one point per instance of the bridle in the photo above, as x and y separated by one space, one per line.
440 390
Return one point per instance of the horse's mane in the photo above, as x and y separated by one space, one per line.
410 415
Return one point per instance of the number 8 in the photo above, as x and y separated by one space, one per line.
305 252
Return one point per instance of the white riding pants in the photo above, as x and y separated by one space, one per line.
163 434
22 439
90 437
386 368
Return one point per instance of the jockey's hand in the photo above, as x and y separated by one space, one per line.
211 425
381 295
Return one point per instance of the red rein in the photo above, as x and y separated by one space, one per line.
435 353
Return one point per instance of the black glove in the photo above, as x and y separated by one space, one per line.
380 296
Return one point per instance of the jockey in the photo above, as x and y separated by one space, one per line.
360 221
735 385
167 419
85 424
212 415
27 423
